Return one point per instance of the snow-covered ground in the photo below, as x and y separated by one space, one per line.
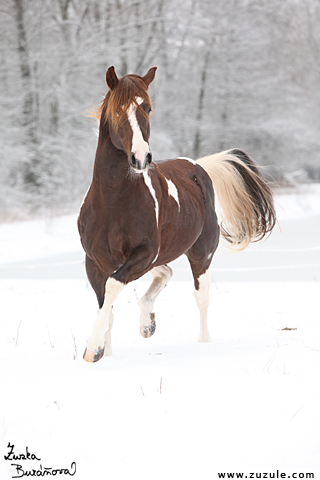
165 407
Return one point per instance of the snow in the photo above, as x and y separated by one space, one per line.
164 407
301 202
35 239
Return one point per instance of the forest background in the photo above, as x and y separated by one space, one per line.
237 73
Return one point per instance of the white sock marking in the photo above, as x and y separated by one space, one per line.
173 191
202 299
152 191
161 276
103 322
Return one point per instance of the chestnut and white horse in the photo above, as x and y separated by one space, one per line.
139 215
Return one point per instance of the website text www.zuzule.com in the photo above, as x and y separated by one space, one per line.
276 474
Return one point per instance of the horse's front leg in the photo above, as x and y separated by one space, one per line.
136 265
161 276
101 334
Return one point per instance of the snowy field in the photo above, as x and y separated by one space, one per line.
165 407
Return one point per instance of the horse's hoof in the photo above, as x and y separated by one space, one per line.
149 330
93 355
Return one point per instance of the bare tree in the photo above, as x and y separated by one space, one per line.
28 107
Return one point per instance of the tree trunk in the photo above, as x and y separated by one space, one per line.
64 6
143 58
123 39
197 138
28 100
31 171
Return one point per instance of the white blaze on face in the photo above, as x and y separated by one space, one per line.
139 146
173 191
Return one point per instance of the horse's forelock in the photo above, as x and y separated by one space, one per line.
117 101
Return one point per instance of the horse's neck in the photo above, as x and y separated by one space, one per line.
110 167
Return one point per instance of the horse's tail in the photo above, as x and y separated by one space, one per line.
245 197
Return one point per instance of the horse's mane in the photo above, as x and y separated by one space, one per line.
117 101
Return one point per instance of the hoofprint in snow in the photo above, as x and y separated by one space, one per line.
167 406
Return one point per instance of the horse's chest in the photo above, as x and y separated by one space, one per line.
116 229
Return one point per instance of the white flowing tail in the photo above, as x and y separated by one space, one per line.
245 197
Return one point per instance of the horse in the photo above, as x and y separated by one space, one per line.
139 214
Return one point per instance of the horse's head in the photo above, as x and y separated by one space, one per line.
127 110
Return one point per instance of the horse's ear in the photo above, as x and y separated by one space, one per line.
148 78
111 78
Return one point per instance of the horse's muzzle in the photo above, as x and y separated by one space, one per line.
140 165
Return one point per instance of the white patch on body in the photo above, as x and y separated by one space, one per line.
188 159
209 257
152 191
139 146
173 191
156 257
84 198
194 162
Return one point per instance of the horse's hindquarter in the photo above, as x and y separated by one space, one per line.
186 206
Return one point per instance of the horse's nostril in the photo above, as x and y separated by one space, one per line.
133 159
149 158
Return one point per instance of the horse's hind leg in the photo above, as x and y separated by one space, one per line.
202 298
202 279
161 276
200 257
